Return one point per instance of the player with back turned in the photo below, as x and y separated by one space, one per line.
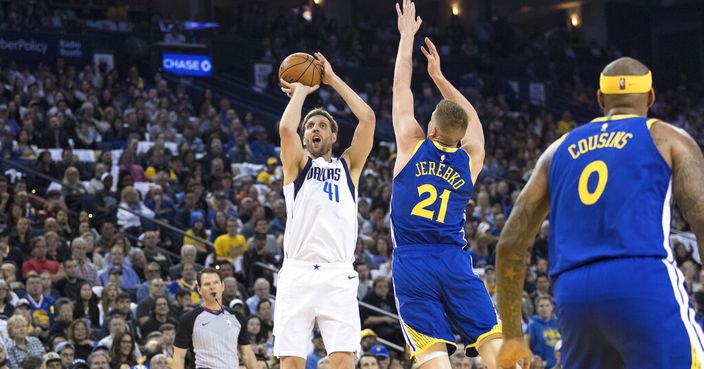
434 176
317 282
608 187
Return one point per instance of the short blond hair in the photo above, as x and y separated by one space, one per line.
323 112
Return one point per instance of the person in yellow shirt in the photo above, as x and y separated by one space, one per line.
197 229
566 123
230 246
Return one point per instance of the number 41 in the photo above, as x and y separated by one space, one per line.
332 189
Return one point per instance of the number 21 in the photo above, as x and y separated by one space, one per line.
420 208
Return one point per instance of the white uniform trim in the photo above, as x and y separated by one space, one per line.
687 315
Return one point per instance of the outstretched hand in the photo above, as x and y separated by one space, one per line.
292 87
328 74
408 23
431 53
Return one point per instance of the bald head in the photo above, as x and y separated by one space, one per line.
625 66
626 103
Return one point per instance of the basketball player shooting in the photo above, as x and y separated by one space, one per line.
434 177
317 281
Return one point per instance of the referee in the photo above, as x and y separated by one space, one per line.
210 332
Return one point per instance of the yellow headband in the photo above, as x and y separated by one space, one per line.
626 84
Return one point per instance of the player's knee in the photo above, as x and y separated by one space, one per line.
437 353
293 362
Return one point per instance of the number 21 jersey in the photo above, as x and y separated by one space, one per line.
430 195
321 212
610 194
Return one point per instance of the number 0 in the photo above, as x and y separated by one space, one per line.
602 171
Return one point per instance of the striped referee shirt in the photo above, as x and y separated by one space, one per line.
212 337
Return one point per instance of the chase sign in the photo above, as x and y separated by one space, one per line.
188 64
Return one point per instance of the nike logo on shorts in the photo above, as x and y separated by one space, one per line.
204 324
351 277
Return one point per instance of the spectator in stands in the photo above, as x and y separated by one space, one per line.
20 345
84 267
86 305
67 353
168 332
150 241
41 306
197 228
38 263
365 283
153 270
230 246
99 360
160 314
187 282
188 255
6 296
184 303
265 312
64 316
20 237
541 333
157 288
123 351
381 298
257 336
130 219
69 285
78 335
262 289
117 265
123 306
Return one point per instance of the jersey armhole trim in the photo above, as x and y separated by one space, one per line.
415 149
349 178
298 182
650 122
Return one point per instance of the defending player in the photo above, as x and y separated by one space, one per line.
433 182
317 281
608 187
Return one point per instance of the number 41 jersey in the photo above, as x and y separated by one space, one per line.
321 212
610 194
430 195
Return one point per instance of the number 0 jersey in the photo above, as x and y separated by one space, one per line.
321 211
430 195
610 193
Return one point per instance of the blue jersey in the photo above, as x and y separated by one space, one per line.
610 195
430 195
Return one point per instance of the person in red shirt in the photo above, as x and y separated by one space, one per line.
39 263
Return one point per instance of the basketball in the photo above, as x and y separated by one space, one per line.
301 67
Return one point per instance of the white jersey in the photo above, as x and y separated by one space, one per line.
321 209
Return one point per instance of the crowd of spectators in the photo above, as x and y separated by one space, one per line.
91 156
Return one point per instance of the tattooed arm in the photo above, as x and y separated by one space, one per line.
685 158
518 235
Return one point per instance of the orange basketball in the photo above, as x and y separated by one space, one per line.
301 67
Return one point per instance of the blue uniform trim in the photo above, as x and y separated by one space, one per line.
349 179
298 182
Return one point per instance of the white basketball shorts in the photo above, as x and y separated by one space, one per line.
309 292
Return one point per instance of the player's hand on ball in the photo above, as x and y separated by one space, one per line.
512 351
408 23
291 88
431 53
328 74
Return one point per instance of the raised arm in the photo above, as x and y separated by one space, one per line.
406 127
519 233
363 138
473 140
293 158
